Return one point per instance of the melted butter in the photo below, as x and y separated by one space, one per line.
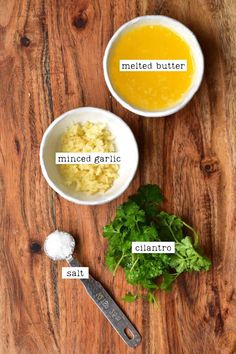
151 91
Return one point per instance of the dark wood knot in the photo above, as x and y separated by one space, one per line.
35 247
80 20
17 144
209 166
25 41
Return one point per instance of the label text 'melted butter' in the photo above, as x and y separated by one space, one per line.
153 65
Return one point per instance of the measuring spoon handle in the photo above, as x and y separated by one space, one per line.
109 308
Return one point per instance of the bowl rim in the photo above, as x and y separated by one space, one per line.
55 187
189 95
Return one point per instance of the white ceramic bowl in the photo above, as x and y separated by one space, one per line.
125 143
186 34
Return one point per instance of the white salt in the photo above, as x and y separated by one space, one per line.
59 245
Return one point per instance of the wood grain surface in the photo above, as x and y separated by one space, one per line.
50 62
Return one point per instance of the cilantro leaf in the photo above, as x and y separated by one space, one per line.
167 281
129 297
148 197
170 227
187 258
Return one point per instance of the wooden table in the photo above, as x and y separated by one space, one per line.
51 61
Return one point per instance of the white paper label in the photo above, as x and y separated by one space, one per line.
153 65
75 272
91 158
153 247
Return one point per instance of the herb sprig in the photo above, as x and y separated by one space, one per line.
140 219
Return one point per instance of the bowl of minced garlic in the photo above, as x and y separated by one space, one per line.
89 130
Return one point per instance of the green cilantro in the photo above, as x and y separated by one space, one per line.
129 297
140 219
187 259
148 197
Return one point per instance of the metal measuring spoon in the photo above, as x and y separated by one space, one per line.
64 249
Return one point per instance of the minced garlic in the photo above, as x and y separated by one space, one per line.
88 137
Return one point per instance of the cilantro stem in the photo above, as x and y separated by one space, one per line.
133 265
152 298
170 229
118 263
137 225
195 234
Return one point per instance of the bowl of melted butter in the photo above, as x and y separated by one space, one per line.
153 65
